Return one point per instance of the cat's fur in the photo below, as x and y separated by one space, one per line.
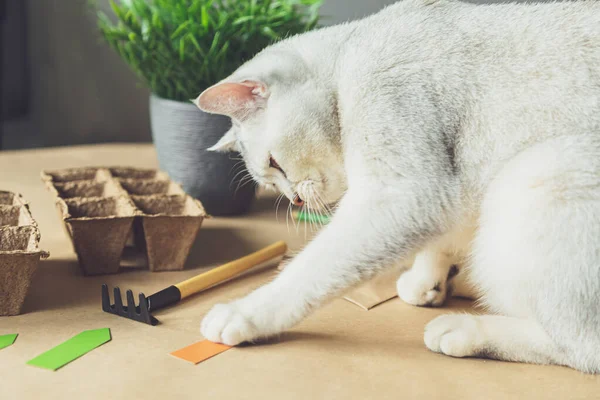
444 129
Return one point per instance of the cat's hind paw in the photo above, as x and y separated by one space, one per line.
418 289
454 335
225 324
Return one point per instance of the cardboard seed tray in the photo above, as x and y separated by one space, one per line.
19 252
121 217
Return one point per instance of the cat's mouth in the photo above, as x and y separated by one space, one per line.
307 194
297 201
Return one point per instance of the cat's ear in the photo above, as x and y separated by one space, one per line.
236 100
228 143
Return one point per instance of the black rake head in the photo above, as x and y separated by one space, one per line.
138 313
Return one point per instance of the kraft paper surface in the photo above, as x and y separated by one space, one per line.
377 291
339 352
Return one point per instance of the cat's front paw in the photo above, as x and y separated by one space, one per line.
454 335
226 324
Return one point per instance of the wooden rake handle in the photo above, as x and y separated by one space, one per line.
229 270
173 294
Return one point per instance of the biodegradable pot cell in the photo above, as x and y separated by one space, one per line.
170 225
76 174
122 218
181 134
84 189
145 187
99 228
19 252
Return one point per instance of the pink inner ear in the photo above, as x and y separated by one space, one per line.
231 99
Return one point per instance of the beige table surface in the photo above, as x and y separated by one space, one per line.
340 352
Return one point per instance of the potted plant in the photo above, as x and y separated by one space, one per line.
178 48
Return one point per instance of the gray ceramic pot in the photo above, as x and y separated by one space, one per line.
181 134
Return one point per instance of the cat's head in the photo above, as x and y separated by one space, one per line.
285 126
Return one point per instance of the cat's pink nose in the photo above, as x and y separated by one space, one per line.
298 201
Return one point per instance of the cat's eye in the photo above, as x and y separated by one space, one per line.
273 164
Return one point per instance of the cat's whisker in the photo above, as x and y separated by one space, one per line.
287 218
309 194
243 182
277 204
239 183
319 211
237 164
323 209
238 170
308 201
238 167
239 160
327 210
300 222
235 178
305 209
245 179
319 221
235 171
245 170
312 211
306 223
307 220
291 213
277 201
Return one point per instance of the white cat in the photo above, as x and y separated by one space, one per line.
443 129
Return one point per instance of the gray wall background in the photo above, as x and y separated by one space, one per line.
79 90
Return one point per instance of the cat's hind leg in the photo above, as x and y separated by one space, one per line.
492 336
428 281
438 271
536 261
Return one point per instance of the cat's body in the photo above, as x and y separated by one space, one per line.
444 130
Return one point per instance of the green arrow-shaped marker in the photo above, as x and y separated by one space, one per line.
7 340
310 217
72 349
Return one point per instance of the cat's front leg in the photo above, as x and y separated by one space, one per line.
352 248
